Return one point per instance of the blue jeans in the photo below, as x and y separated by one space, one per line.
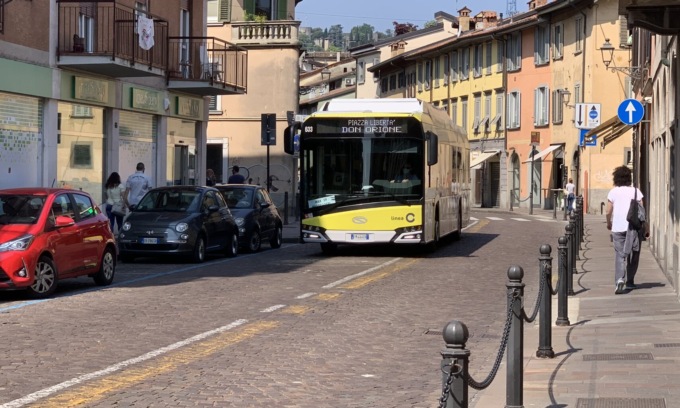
570 202
113 218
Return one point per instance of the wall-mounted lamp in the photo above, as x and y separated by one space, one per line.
566 95
607 50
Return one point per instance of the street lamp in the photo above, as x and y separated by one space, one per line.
566 95
607 50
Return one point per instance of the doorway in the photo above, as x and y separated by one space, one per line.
183 164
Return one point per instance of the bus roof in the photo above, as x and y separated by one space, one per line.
387 105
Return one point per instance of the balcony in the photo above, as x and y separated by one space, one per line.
267 33
101 37
206 66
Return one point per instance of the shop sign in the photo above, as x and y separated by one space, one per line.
89 89
147 100
188 107
536 137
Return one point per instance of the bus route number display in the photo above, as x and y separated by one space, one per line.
361 126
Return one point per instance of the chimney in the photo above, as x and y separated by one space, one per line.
536 3
464 19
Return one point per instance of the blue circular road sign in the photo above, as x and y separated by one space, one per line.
631 112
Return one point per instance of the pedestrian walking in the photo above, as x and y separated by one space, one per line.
235 177
115 206
136 186
570 189
626 240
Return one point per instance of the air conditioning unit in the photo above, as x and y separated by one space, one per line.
349 81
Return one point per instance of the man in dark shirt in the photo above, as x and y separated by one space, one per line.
235 177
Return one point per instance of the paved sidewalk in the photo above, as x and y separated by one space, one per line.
620 351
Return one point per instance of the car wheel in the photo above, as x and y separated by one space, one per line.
199 250
254 241
329 248
277 238
104 276
45 282
232 246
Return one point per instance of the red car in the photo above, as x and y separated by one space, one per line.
49 234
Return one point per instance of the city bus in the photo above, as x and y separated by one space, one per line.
354 155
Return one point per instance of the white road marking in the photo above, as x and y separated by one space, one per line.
519 219
305 295
474 219
272 308
356 275
495 218
31 398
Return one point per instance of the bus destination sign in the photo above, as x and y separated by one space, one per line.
362 126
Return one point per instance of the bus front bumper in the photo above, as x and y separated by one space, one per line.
402 236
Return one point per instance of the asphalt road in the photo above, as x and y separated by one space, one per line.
284 328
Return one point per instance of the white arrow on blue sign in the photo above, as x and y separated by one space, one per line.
631 112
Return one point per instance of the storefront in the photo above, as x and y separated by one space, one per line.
182 162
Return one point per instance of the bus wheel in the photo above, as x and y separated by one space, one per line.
432 246
329 248
459 231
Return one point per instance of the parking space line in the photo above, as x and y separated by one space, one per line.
305 295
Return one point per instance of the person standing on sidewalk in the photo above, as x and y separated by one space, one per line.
136 186
570 189
626 241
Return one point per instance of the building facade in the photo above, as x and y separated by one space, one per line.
97 87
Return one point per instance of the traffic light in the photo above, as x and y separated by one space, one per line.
268 129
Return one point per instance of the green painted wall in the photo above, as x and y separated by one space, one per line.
27 79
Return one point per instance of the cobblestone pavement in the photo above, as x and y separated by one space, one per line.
281 328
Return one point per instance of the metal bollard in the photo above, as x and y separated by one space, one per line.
570 259
562 298
545 349
583 221
579 221
555 206
455 357
574 241
285 208
515 376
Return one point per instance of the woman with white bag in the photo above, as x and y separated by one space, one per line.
115 206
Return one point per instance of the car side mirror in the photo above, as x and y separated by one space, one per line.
213 208
63 221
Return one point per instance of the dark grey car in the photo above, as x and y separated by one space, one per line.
179 220
256 215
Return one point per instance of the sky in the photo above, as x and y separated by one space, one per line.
381 13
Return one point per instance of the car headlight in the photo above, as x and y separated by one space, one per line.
181 227
20 244
127 226
240 221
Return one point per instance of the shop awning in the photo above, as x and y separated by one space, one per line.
484 156
543 153
608 131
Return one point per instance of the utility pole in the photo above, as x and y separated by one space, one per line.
531 188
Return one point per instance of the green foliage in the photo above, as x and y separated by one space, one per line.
430 23
258 18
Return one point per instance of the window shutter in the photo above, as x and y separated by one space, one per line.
537 45
623 31
546 105
212 105
519 110
225 10
283 10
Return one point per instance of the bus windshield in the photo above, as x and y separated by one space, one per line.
341 170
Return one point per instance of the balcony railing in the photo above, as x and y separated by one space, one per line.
208 59
106 28
265 33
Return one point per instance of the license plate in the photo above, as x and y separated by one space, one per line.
359 237
149 240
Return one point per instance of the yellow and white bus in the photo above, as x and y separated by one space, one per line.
392 171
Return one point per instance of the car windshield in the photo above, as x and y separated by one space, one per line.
238 197
20 209
170 200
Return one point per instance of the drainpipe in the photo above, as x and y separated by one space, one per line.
583 93
500 41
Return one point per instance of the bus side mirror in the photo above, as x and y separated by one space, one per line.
289 137
432 149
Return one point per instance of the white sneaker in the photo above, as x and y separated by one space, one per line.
620 285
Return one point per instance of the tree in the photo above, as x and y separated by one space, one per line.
403 28
335 36
430 23
360 35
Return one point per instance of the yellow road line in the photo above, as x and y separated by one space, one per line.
99 389
480 224
296 309
363 281
327 296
